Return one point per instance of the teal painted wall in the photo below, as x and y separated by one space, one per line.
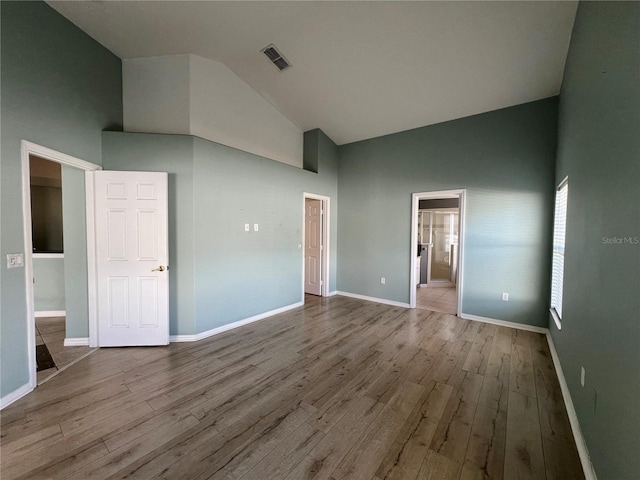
328 159
48 285
172 154
74 225
60 89
599 149
219 273
240 274
311 148
505 160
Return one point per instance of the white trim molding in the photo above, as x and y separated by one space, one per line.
581 445
17 394
92 278
373 299
76 342
62 369
50 313
48 255
505 323
231 326
326 240
58 157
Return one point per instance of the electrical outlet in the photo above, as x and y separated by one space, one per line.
583 375
255 227
383 280
505 297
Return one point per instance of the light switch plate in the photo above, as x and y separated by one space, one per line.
255 227
15 260
246 227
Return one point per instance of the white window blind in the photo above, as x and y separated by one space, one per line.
559 231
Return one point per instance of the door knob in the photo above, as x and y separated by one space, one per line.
159 269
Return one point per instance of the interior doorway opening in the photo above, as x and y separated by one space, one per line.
47 228
315 245
438 234
436 252
52 324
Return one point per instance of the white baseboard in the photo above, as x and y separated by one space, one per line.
581 445
17 394
504 323
231 326
332 293
373 299
76 342
50 313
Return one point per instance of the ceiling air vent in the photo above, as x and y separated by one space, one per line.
276 57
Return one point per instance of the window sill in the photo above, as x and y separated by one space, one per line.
556 318
48 255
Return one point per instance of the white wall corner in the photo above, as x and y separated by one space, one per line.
227 110
191 95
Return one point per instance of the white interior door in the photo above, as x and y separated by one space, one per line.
313 246
132 258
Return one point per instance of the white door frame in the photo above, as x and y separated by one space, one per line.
324 264
26 149
415 204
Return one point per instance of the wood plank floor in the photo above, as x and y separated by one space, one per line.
338 389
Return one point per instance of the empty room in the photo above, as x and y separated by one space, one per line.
320 240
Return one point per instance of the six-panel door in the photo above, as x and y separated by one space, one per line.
132 258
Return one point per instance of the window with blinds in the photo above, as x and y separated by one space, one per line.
559 231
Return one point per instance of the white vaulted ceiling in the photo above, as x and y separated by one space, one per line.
360 69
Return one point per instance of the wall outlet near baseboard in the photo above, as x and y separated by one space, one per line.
383 280
505 296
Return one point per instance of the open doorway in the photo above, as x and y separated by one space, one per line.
46 259
437 233
47 228
315 245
